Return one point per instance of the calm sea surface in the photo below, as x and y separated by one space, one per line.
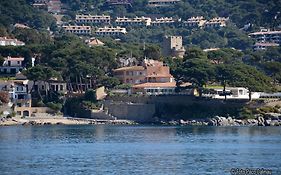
127 150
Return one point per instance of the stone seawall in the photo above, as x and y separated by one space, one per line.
139 112
176 107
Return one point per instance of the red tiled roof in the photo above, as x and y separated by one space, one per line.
154 85
131 68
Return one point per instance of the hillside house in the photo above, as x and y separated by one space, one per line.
92 19
79 30
162 3
4 41
147 77
12 65
137 21
110 31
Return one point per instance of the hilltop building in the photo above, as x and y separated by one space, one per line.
119 2
4 41
111 31
192 22
137 21
79 30
172 46
12 65
151 77
267 36
162 3
92 19
264 46
163 21
216 22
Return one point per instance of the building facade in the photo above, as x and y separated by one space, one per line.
12 65
92 19
193 22
264 46
267 36
216 22
137 21
78 30
110 31
4 41
162 3
163 21
149 78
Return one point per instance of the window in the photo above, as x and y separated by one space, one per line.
61 87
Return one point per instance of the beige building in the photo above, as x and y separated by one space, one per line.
216 22
197 21
162 3
147 77
54 85
137 21
92 19
172 46
267 36
264 46
163 21
4 41
79 30
111 31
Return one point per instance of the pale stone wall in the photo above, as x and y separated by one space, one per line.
132 111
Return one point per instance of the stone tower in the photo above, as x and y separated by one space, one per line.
172 46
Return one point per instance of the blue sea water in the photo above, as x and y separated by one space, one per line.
126 150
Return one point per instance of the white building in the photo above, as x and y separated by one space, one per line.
18 89
216 22
51 85
162 3
12 65
267 36
137 21
4 41
232 93
92 19
163 21
79 30
197 21
111 31
264 46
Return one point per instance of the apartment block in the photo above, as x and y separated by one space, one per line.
79 30
111 31
267 36
137 21
163 21
197 21
92 19
162 3
216 22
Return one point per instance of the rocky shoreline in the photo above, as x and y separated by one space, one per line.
270 119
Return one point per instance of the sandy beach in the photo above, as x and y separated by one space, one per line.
56 120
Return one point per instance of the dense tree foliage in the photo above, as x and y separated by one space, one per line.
19 11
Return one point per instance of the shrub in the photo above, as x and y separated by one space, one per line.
54 106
